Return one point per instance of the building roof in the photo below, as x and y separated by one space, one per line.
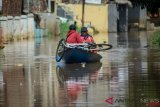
123 2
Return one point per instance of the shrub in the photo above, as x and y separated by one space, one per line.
64 28
155 41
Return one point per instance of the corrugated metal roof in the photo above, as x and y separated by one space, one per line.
11 7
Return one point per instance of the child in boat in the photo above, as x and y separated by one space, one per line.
87 38
85 35
73 36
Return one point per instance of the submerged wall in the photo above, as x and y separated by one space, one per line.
113 17
18 27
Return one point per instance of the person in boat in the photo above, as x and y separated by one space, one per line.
73 36
85 36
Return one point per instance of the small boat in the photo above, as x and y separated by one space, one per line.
78 56
78 53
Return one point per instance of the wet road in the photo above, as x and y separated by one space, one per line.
127 76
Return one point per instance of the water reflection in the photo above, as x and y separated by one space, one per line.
122 39
14 92
30 77
38 42
75 79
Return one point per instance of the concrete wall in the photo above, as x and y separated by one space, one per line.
143 18
96 15
51 24
17 27
110 17
113 17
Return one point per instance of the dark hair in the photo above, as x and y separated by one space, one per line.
72 27
84 29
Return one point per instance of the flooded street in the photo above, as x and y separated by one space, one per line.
127 76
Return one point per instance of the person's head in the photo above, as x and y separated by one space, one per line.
84 30
72 27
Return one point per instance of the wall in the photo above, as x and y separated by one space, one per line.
143 18
96 15
113 16
51 24
18 27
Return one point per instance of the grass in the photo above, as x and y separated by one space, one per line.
155 40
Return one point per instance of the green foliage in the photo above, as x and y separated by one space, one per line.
64 28
155 40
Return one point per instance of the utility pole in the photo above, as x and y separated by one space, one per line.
83 11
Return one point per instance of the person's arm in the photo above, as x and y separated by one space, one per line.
79 40
92 40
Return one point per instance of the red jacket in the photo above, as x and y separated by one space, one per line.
87 39
73 37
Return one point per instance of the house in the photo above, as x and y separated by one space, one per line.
17 16
104 15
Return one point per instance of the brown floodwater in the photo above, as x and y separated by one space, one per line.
127 76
